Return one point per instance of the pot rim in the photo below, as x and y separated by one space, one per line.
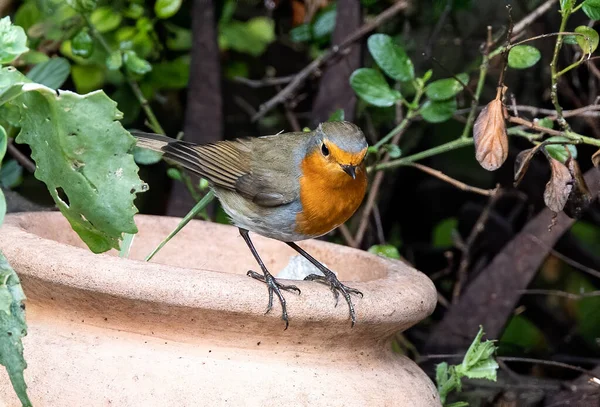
403 297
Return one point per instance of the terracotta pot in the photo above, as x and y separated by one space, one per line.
189 329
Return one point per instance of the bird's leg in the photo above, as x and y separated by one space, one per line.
273 285
330 279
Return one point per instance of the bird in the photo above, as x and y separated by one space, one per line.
289 187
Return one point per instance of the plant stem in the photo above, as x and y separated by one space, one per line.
443 148
554 73
190 215
483 68
152 121
410 114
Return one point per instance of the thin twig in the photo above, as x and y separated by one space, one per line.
347 235
531 17
533 126
20 157
466 257
559 293
567 260
458 184
301 76
586 111
261 83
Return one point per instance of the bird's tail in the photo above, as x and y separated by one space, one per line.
181 152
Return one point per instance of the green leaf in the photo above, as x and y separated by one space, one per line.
134 11
566 5
545 122
167 8
386 250
391 57
458 404
446 88
324 24
105 19
591 8
447 380
442 233
114 61
13 41
589 43
393 150
523 56
135 64
28 15
82 154
82 45
175 174
11 175
337 116
427 76
438 111
34 57
13 328
301 33
172 74
561 152
52 73
83 5
87 78
3 145
478 362
146 157
251 37
178 39
371 86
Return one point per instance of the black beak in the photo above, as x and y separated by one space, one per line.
350 170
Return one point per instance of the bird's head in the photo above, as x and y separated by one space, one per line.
342 147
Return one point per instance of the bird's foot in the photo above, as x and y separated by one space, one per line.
275 286
337 287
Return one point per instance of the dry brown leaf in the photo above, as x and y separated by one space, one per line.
522 164
596 158
559 187
489 135
581 197
298 13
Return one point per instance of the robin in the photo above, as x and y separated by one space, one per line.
289 187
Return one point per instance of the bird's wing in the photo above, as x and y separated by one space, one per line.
226 164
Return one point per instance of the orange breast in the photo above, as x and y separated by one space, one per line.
328 195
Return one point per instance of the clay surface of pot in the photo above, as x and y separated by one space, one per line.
189 329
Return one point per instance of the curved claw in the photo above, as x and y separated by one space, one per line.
275 287
337 287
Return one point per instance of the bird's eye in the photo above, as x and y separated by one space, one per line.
324 150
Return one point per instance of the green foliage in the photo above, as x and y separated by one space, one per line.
522 333
166 8
444 89
370 85
386 250
83 157
442 233
13 41
438 111
523 56
477 363
105 19
337 116
51 73
318 30
12 328
82 45
135 64
589 43
390 57
83 5
250 37
591 8
559 151
393 150
11 175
